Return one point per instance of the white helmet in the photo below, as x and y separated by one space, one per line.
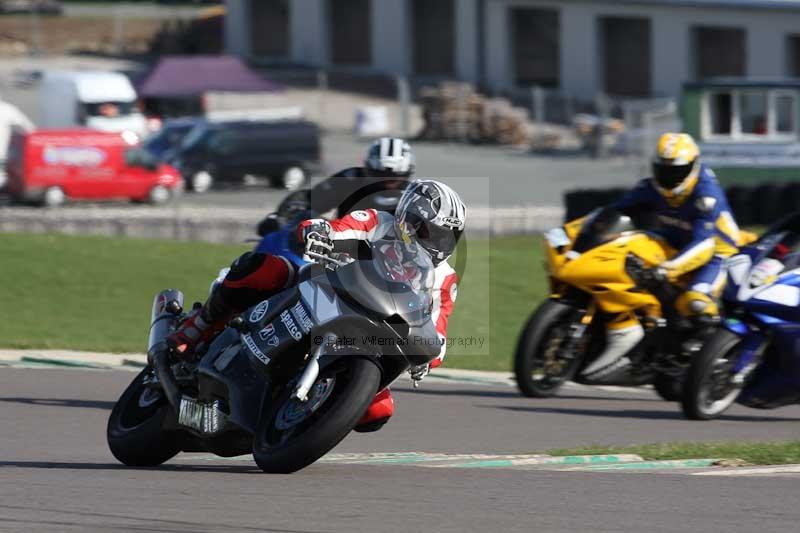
390 157
433 215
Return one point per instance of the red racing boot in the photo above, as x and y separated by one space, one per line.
378 413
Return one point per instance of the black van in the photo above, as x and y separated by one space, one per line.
285 152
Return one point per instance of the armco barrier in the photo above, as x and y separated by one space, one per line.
760 205
227 225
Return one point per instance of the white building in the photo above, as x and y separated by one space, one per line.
624 47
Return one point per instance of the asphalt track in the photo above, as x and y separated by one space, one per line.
56 473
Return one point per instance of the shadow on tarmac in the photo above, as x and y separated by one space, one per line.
62 402
631 413
513 394
56 465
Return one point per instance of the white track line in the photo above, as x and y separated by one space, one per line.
757 471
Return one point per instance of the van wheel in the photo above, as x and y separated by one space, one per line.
293 178
54 197
201 181
159 195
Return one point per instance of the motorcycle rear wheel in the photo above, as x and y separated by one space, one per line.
291 435
549 320
134 432
712 364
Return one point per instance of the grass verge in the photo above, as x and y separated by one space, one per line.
757 453
94 293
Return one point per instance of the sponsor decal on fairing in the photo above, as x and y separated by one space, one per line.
294 331
299 313
260 311
254 349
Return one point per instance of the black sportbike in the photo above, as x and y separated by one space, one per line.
290 377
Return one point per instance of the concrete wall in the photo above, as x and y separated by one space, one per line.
391 31
237 28
308 42
672 57
467 40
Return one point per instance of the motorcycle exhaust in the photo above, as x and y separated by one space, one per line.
167 309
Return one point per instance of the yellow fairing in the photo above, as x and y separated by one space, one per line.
601 271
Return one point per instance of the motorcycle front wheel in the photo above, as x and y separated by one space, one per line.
541 364
708 390
135 427
292 434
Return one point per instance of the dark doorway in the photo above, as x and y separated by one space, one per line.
433 23
719 51
269 31
625 44
350 31
535 44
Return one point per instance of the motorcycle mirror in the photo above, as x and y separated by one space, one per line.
173 307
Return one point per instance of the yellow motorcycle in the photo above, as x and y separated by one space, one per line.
600 269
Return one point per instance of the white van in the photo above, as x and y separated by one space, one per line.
95 99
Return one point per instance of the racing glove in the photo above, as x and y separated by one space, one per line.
317 240
418 373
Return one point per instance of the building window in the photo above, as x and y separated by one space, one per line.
625 45
750 114
721 111
269 32
433 23
753 113
719 51
535 36
350 32
793 55
785 113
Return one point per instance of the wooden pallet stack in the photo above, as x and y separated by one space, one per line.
453 111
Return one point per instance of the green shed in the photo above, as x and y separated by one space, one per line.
748 130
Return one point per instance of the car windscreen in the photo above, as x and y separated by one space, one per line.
168 137
601 226
195 138
139 157
108 109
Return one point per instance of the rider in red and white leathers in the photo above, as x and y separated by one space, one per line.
429 213
372 225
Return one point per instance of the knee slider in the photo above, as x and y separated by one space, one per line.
692 303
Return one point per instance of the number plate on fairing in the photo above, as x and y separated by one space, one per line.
202 417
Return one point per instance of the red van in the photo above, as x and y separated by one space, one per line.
51 166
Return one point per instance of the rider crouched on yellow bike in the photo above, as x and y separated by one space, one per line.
694 218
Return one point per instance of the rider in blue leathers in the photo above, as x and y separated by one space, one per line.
694 218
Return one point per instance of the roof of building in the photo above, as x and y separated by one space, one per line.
739 4
753 83
179 76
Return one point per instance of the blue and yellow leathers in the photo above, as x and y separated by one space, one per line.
697 221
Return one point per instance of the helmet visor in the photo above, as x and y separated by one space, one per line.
386 173
670 176
439 241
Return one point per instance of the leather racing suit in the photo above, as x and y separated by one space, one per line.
254 277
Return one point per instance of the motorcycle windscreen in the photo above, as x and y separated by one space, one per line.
393 279
600 227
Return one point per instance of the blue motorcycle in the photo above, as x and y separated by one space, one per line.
277 230
754 356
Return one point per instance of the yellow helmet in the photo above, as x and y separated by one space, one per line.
676 165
